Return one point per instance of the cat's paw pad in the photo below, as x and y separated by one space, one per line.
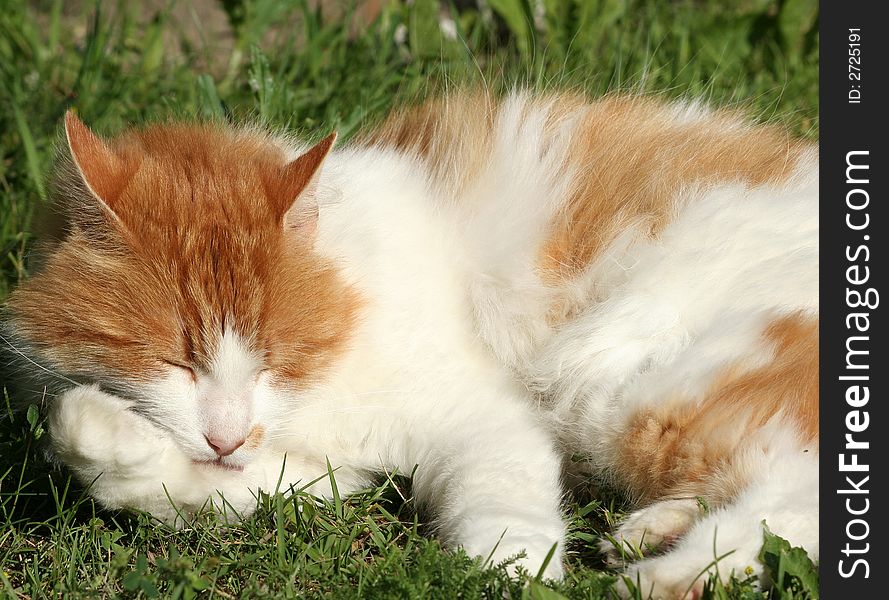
89 426
651 529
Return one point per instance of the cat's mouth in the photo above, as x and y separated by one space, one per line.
219 464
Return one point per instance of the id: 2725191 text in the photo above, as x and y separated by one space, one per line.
854 65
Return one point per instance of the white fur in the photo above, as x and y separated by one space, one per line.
453 330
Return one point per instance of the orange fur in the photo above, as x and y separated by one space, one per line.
452 136
691 446
255 437
196 245
631 158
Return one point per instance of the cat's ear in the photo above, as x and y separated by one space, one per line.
293 190
103 172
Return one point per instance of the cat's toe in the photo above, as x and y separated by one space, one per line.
649 530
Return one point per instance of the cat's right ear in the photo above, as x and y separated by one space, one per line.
102 171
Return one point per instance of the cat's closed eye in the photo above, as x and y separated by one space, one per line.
182 367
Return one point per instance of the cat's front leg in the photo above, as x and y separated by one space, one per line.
491 475
129 463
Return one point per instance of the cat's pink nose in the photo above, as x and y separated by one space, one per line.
223 447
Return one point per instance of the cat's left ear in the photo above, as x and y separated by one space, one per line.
293 191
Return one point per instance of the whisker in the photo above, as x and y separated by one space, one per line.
35 363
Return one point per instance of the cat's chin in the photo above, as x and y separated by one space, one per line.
218 464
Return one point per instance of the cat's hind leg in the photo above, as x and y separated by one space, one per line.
783 495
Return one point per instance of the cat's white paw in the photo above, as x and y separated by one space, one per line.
513 536
127 462
662 578
650 529
93 430
683 573
724 544
531 551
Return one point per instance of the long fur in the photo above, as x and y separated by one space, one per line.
478 287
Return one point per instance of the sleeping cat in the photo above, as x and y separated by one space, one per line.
480 288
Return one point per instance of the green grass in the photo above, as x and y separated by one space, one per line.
289 66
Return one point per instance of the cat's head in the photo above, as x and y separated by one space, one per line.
185 280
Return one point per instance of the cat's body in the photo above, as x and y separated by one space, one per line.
483 289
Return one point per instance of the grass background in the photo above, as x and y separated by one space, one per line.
291 64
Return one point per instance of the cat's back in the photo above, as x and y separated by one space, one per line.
627 233
566 203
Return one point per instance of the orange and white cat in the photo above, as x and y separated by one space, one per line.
481 288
